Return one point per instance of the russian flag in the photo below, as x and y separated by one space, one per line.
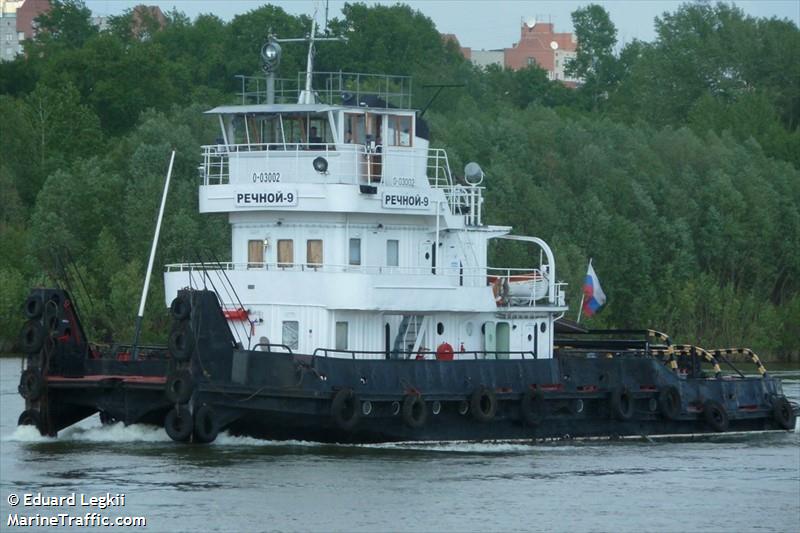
593 296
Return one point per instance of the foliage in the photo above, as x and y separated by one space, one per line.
674 165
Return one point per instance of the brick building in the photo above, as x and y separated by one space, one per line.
17 23
539 44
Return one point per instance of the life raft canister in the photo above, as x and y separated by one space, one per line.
444 352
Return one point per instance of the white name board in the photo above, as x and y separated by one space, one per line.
278 198
404 200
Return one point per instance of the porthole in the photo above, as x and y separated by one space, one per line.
469 329
427 255
543 327
530 337
439 328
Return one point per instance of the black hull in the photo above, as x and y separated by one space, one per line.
284 396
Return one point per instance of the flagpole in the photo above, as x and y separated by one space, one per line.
580 307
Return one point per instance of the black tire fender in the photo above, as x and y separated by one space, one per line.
483 404
669 402
783 413
31 337
33 307
345 409
180 308
532 407
30 417
715 415
181 342
414 410
31 384
206 426
179 424
179 387
621 403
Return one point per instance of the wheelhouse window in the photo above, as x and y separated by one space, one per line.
399 131
355 252
314 253
291 334
341 335
285 252
392 253
355 128
255 253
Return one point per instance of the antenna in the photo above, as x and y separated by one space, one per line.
306 95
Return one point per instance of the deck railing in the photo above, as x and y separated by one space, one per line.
334 88
531 295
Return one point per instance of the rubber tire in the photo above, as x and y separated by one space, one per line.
31 337
206 427
415 412
34 307
30 417
783 412
622 404
345 409
179 424
31 384
532 407
181 342
106 419
715 416
180 308
476 404
179 387
669 403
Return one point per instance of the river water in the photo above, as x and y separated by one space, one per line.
722 483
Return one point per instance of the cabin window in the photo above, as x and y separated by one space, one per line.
355 251
355 128
314 252
255 253
399 131
285 252
291 334
392 253
341 335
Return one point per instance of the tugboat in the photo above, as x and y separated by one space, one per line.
358 305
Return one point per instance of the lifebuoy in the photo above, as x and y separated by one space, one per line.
33 307
715 415
415 413
621 404
178 424
532 407
669 402
31 337
179 387
181 342
31 384
344 409
783 412
180 308
483 404
206 427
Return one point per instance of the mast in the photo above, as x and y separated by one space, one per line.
307 94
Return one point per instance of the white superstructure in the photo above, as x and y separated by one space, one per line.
351 237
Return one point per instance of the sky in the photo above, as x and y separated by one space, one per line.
479 24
